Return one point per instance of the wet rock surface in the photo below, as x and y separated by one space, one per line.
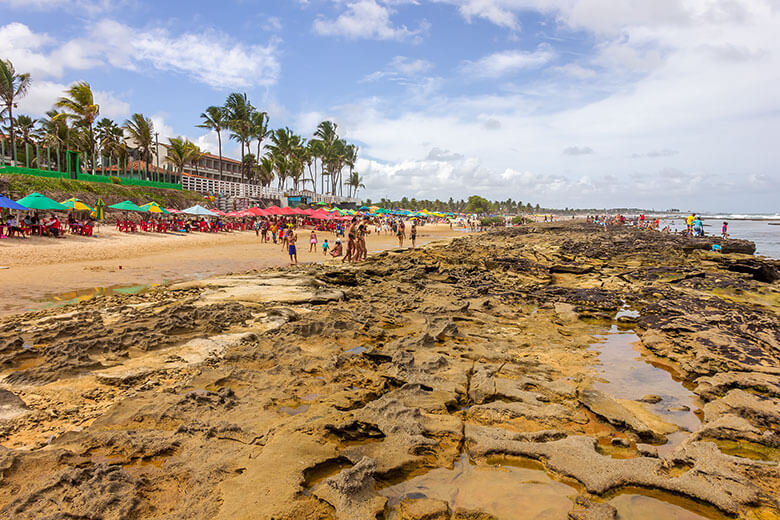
313 393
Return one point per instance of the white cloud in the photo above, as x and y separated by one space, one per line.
211 57
400 68
366 19
507 62
84 6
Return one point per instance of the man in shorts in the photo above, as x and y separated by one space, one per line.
292 236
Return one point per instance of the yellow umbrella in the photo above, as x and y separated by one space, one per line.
153 207
76 204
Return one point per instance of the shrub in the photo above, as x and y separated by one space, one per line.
116 180
492 221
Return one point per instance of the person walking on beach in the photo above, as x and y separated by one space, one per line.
689 222
313 241
292 237
724 232
401 234
413 234
325 247
362 251
351 241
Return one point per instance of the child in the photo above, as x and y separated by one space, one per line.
312 241
291 238
725 230
325 247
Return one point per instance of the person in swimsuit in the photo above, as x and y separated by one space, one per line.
291 238
337 249
401 234
312 241
413 233
362 252
724 231
351 241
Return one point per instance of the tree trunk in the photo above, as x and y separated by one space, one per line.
219 140
13 134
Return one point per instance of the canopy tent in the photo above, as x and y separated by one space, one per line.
153 207
257 212
197 209
287 211
127 206
172 210
273 210
37 201
76 204
5 202
321 214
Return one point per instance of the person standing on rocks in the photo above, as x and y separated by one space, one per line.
362 250
413 234
724 232
401 233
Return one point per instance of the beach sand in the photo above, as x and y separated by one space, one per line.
41 269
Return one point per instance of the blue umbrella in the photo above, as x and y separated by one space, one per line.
5 202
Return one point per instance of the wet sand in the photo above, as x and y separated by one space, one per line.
40 269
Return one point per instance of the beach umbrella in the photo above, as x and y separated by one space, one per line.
98 211
153 207
321 204
37 201
5 202
74 203
127 206
287 211
198 210
172 210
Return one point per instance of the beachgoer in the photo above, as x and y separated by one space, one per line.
351 241
337 249
313 241
290 239
413 233
13 227
689 222
273 231
724 232
401 234
325 247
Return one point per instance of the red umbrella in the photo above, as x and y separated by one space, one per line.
273 210
171 210
218 212
299 211
321 214
308 212
287 211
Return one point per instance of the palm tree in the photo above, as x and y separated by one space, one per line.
26 126
110 139
355 182
215 118
258 127
79 105
286 149
141 130
195 154
327 138
55 133
265 170
179 152
239 112
12 87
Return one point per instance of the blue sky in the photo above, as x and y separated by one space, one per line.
578 103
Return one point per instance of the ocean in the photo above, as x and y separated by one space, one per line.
764 230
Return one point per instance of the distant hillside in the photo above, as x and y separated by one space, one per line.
17 186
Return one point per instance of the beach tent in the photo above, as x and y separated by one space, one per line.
74 203
273 210
5 202
321 214
37 201
153 207
287 211
127 206
198 210
172 210
257 212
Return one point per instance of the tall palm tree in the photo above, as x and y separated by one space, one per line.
55 133
141 130
258 125
215 118
179 152
79 105
286 149
12 87
195 154
355 182
239 112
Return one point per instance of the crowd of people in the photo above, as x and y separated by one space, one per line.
49 226
694 225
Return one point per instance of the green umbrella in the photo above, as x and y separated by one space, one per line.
98 212
153 207
321 204
127 206
77 204
37 201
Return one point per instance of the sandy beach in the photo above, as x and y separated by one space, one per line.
41 269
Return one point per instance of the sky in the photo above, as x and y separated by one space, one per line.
566 103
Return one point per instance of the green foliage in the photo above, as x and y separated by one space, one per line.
478 204
519 220
492 221
116 180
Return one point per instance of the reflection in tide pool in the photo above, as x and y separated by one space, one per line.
504 491
639 507
83 295
626 375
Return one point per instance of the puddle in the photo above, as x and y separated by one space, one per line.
626 375
356 350
294 410
643 504
83 295
503 491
